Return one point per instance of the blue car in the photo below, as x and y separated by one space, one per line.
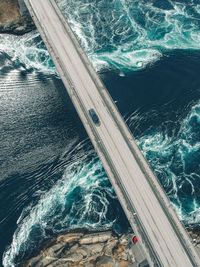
94 116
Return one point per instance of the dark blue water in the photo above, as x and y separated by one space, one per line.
51 179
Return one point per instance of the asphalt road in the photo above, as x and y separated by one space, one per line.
161 235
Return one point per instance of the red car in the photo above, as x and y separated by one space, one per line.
134 239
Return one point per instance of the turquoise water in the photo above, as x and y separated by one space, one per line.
122 35
147 53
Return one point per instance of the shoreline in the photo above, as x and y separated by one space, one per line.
82 247
15 18
20 26
86 249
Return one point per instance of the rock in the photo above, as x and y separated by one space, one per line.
69 237
118 250
15 18
60 264
125 239
54 251
124 263
73 257
9 10
95 249
83 252
108 249
92 239
105 261
194 233
109 264
100 249
74 248
198 240
47 261
34 261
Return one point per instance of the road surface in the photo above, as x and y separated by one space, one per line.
161 235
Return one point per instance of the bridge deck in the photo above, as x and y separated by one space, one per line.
162 236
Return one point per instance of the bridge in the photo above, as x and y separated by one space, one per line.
162 236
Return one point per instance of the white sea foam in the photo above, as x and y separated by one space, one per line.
78 199
27 51
113 37
118 35
121 34
175 160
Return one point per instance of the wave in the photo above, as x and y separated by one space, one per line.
127 35
175 161
84 197
28 52
80 199
123 35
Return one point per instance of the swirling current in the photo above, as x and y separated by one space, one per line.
147 54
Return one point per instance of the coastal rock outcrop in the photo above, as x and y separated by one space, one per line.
87 250
15 18
101 249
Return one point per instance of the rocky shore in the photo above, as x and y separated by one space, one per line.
101 249
87 250
15 18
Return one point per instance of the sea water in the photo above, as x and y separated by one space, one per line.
147 54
